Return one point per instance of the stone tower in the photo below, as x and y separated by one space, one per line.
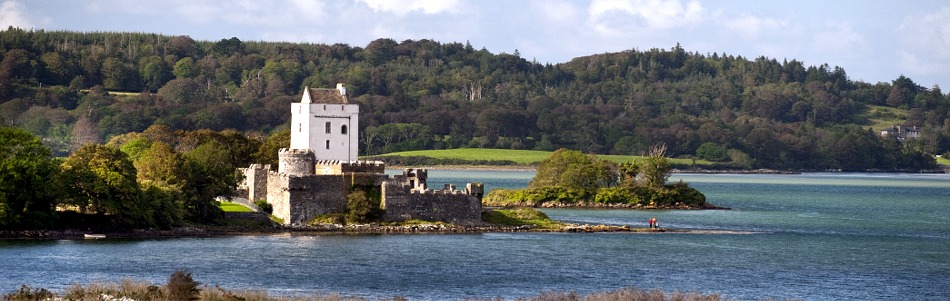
326 123
295 162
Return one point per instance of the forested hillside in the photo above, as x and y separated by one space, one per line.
748 113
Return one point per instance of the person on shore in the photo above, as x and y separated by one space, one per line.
652 222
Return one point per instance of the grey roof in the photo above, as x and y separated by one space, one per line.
326 96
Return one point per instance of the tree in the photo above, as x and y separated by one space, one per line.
361 208
210 173
711 151
267 153
185 68
181 287
182 91
154 72
656 168
181 46
118 75
573 170
101 180
227 47
903 90
26 192
160 166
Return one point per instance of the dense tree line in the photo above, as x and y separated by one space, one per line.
423 94
154 179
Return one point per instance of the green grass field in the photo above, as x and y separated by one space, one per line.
525 157
943 161
233 207
882 117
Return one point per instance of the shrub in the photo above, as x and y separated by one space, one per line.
336 218
681 192
499 197
181 287
615 195
27 293
265 206
361 208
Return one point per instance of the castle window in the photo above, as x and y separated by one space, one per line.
328 127
343 130
328 144
300 127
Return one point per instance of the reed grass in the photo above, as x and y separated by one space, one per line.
136 290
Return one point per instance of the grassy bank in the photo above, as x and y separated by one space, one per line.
185 288
521 217
521 157
233 207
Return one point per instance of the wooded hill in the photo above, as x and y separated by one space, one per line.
746 113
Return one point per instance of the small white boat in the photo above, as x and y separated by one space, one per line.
94 236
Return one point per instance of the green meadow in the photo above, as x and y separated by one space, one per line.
523 157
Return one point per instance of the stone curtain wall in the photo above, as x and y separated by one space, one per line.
278 195
316 195
449 205
297 199
255 179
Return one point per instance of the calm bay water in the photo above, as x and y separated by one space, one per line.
812 236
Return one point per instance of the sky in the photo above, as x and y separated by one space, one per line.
874 41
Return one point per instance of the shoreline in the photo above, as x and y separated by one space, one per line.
334 229
675 170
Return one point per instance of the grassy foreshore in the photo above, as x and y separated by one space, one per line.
131 290
211 231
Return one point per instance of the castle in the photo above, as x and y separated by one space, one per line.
321 167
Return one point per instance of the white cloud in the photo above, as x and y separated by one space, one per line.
925 43
839 37
557 11
401 8
613 17
12 13
752 27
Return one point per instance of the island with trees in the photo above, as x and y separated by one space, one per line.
569 178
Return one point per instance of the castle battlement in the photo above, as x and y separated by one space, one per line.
337 167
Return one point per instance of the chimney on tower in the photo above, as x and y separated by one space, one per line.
342 88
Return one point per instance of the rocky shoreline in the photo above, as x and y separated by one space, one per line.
184 232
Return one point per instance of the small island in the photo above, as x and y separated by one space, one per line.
571 179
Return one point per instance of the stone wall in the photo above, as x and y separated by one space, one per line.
406 197
254 185
297 199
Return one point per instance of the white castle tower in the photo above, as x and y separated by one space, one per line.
326 123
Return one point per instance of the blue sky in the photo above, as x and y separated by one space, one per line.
872 40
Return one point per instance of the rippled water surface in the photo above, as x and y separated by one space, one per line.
812 236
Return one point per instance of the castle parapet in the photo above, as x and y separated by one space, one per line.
347 167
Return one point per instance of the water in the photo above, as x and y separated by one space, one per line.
813 236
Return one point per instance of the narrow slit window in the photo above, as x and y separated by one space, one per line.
328 144
328 127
